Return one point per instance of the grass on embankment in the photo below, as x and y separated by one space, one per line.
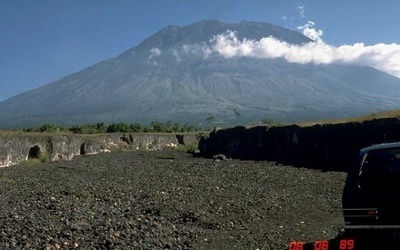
359 119
42 157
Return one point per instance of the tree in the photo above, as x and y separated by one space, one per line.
136 127
176 127
118 127
157 126
50 128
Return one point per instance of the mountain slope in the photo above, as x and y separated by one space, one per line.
173 75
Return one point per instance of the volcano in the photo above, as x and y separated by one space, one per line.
175 75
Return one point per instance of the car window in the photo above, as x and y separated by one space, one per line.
380 171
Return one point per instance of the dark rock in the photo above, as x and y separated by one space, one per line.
220 157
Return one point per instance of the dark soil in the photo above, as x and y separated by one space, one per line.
166 200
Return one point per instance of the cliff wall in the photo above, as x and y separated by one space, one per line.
17 146
326 147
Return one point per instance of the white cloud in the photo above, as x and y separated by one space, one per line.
284 18
301 9
310 31
384 57
176 55
198 49
154 52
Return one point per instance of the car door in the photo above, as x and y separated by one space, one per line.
373 192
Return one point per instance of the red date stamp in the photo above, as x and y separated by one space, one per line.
342 244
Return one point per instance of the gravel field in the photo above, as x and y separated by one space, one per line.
166 200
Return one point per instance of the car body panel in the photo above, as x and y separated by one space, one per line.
371 196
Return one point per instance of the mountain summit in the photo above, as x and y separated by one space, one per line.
177 75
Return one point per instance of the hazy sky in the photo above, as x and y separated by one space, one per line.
44 40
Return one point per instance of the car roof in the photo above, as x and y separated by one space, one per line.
380 146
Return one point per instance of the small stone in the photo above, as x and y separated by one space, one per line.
220 157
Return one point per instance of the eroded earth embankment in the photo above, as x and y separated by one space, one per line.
326 147
17 146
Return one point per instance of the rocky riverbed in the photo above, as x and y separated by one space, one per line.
166 200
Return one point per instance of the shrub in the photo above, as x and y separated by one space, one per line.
118 127
136 127
142 147
50 128
188 148
36 159
44 156
201 135
96 128
158 127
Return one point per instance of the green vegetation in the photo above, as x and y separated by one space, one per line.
46 128
192 147
99 128
358 119
169 127
188 148
43 157
35 160
378 115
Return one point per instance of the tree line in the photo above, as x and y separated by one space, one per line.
100 128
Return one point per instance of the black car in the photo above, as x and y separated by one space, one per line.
371 196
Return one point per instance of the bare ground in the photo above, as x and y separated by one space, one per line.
166 200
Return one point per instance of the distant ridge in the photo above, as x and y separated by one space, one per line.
168 77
